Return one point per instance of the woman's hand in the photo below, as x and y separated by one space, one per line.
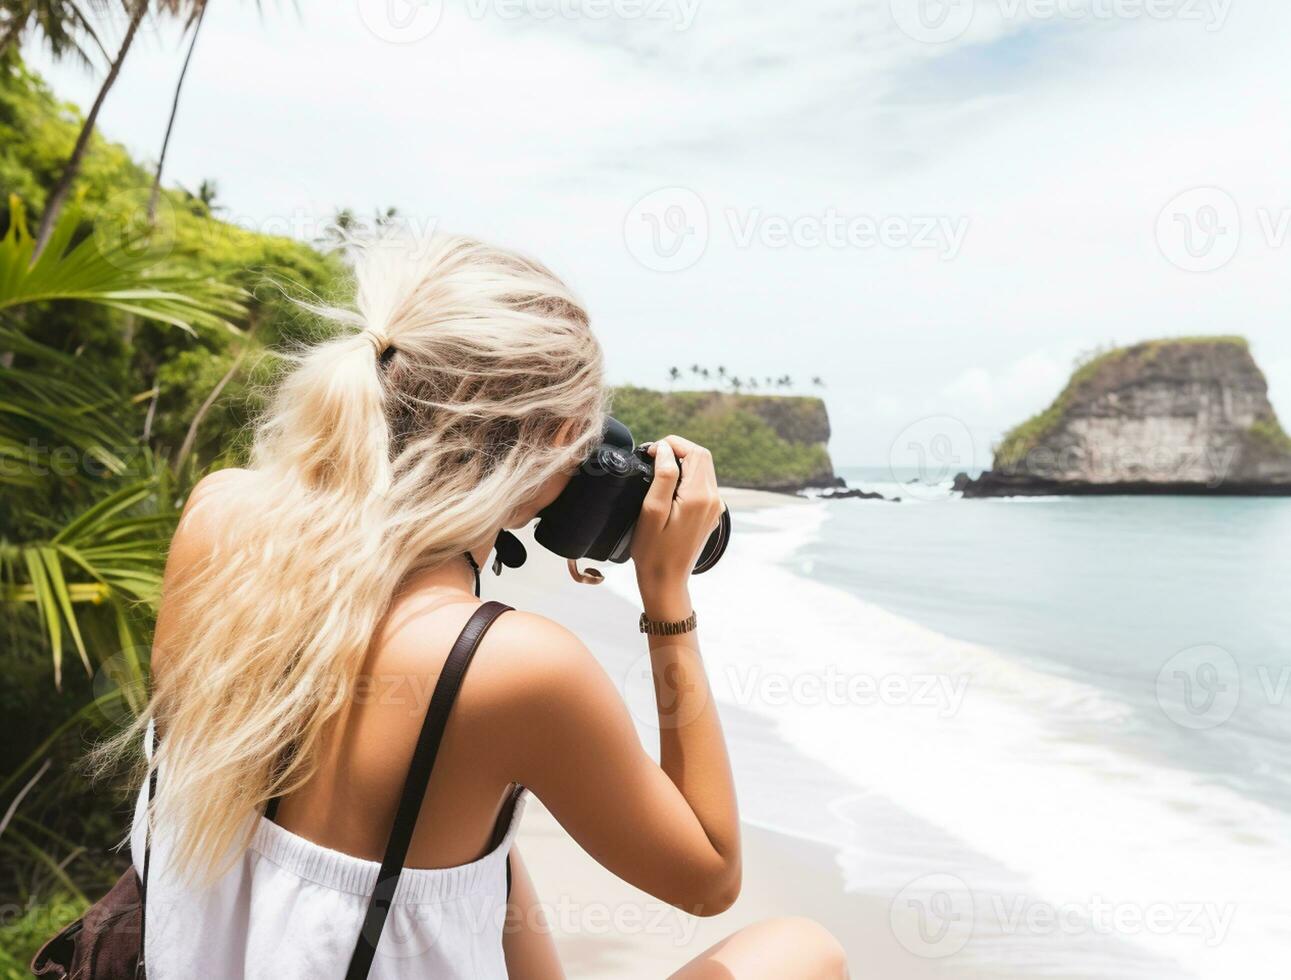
680 511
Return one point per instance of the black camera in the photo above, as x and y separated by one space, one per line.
596 513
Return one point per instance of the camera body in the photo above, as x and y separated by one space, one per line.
595 515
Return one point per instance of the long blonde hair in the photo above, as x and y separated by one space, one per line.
465 378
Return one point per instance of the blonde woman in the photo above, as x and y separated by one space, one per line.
313 603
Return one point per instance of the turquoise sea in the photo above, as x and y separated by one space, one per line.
1104 590
1053 733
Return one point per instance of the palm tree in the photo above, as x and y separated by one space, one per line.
674 374
58 194
816 381
736 384
60 22
721 371
342 227
196 16
106 557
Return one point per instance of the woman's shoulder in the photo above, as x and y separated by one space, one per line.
521 662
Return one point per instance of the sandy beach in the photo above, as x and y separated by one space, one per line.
604 927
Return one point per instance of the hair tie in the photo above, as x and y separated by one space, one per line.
386 355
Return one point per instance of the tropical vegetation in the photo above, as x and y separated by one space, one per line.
132 353
759 441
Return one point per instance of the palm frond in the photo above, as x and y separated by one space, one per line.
127 274
107 555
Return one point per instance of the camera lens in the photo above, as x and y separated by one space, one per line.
613 462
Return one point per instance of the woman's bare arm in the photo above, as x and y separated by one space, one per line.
670 828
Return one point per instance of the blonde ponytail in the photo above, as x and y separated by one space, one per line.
392 447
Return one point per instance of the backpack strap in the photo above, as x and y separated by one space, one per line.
414 787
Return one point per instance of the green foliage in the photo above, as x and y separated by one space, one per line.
1271 434
26 933
748 449
111 343
269 271
127 275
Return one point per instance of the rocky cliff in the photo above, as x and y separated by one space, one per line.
766 442
1187 415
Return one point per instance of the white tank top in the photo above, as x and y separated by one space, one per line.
288 908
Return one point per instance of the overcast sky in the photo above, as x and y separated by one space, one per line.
935 207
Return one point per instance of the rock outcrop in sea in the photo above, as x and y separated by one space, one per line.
1181 416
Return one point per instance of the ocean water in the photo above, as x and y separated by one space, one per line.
1055 733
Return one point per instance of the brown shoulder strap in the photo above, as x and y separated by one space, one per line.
414 787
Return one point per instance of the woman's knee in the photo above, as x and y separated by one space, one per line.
816 948
773 949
